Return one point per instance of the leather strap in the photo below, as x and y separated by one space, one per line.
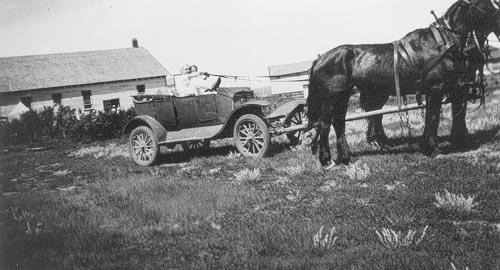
437 36
411 53
405 56
396 73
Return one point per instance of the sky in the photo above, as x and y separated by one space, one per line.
239 37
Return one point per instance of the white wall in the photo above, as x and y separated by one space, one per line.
72 96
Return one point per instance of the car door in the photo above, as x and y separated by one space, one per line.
165 112
207 109
187 115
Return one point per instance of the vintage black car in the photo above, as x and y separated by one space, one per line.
196 120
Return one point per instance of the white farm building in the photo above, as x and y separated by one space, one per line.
90 80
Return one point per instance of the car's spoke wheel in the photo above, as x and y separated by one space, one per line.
251 136
143 146
297 118
196 145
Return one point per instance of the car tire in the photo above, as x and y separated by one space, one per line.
144 147
251 136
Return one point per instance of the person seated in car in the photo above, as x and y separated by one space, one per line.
192 83
203 82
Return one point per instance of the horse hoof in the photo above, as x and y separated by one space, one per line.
331 164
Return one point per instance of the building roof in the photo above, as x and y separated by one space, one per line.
77 68
288 69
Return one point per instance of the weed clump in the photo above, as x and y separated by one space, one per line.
395 239
294 170
248 176
454 202
323 243
23 219
233 155
356 172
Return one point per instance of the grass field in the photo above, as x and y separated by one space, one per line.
90 207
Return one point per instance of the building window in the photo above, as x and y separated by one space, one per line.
141 89
87 104
57 97
111 104
26 101
170 81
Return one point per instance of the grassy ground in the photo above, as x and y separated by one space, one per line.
89 207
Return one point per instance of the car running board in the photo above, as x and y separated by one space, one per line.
191 134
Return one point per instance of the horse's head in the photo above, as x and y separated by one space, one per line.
484 16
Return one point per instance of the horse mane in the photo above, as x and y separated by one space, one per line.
453 9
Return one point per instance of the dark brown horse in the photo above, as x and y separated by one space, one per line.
433 62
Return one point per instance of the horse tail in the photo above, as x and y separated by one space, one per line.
314 100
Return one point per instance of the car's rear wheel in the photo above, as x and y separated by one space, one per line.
143 146
297 118
251 136
196 145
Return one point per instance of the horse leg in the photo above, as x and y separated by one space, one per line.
432 114
325 155
343 151
334 109
375 133
459 133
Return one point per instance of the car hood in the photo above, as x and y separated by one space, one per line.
231 91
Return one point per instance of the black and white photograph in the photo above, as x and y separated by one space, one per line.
237 134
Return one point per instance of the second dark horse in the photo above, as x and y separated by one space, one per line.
433 62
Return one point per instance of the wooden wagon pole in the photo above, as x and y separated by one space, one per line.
410 107
353 117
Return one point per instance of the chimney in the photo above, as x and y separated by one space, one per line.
135 43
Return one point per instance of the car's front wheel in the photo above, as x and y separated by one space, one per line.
251 136
144 147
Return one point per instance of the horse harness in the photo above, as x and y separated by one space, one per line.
446 41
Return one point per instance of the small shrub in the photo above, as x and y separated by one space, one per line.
294 197
453 267
453 202
233 155
395 239
355 172
283 180
323 243
248 176
49 125
23 219
294 170
402 219
157 172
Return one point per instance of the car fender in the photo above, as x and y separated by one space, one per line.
146 120
254 107
285 109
